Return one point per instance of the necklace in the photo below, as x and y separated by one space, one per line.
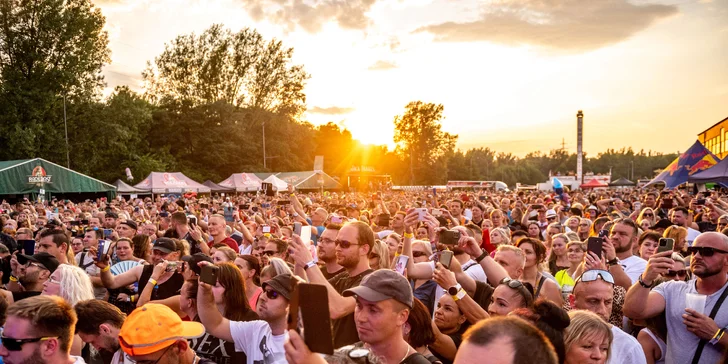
406 354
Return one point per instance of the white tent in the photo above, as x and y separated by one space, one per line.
278 184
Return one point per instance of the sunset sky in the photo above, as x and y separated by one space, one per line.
511 74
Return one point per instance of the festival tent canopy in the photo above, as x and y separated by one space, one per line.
39 176
310 180
697 158
717 174
242 182
622 182
125 189
594 183
214 187
278 184
170 182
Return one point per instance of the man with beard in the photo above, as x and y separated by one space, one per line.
39 330
179 223
32 272
110 220
98 324
327 251
689 329
623 236
353 244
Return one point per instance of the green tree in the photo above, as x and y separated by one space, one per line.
240 69
49 49
419 136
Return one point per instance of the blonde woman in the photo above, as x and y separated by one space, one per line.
587 339
379 256
646 218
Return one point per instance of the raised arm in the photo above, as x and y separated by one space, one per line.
215 324
339 306
467 305
641 303
113 282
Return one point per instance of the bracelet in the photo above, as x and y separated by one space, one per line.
643 284
108 268
13 279
409 235
309 265
152 281
612 262
481 257
132 298
718 335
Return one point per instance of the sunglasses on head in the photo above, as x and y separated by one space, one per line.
17 344
705 251
344 244
518 286
594 274
272 294
680 273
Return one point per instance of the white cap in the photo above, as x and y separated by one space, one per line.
550 213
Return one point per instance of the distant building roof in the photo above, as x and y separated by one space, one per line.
713 126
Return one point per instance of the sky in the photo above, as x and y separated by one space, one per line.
511 74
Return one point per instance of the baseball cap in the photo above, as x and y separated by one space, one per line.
48 260
281 284
165 245
662 224
193 259
154 327
130 223
382 285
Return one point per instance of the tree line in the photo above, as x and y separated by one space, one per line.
208 100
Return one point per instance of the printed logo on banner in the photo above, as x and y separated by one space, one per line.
171 180
39 176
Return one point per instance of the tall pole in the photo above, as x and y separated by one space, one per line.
264 163
579 151
65 124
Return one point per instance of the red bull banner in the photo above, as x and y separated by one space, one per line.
696 159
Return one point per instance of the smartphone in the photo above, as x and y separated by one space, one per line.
193 220
482 198
449 237
208 274
594 244
537 207
383 220
667 203
665 245
700 202
283 202
311 317
422 213
266 229
446 258
84 222
603 233
436 212
103 250
28 246
74 223
297 228
108 232
401 264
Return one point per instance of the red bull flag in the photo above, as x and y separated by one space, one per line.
696 159
716 174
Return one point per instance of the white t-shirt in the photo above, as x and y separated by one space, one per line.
633 267
257 341
475 271
625 349
245 250
120 357
92 270
692 234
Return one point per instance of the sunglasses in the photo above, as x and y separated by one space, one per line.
705 251
518 286
17 344
269 252
272 294
417 254
680 273
344 244
594 274
648 215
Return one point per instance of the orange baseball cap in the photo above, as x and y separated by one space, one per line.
154 327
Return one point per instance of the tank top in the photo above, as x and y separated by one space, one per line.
661 344
169 288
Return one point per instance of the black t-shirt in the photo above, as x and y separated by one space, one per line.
705 226
328 275
483 294
345 327
194 245
169 288
17 296
219 350
416 358
457 338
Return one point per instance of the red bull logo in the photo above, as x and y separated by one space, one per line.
673 167
703 164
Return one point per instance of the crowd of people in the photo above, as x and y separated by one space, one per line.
608 276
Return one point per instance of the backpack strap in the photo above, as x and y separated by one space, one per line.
701 345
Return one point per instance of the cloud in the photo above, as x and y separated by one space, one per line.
561 24
311 15
333 110
382 66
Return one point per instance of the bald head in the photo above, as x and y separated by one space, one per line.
706 264
712 239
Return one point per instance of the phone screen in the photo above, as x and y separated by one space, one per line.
446 258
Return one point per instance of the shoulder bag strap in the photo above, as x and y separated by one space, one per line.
701 345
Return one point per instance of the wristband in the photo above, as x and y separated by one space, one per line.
152 281
309 265
718 335
461 293
13 279
612 262
132 298
643 284
409 235
108 268
481 257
